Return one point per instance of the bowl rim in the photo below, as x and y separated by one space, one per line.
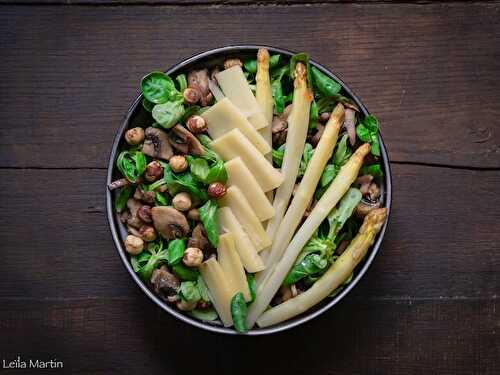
301 319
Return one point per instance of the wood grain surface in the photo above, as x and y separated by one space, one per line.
429 71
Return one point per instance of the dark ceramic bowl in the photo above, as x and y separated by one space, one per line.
136 117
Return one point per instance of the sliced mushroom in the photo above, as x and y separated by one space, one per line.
350 125
145 196
133 231
198 238
156 144
366 178
184 141
278 125
118 183
133 220
364 207
165 284
314 140
374 192
286 112
169 222
198 79
280 138
342 246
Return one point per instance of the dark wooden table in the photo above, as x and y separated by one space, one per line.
429 71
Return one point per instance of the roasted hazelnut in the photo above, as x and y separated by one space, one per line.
324 117
202 304
178 163
192 257
133 244
144 213
153 171
182 201
134 136
191 95
216 189
147 233
196 124
185 305
229 63
194 214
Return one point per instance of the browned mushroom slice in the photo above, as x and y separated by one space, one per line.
317 136
184 141
199 239
169 222
286 112
364 207
374 192
118 184
165 284
156 144
280 138
350 125
278 125
133 219
199 79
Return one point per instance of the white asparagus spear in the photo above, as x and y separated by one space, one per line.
304 193
334 277
264 95
330 198
298 123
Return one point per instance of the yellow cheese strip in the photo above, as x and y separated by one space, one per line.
233 83
231 264
234 144
218 285
224 116
240 176
244 246
235 199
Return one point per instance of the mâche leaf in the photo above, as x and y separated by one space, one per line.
239 312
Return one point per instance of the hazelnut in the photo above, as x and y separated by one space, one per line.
192 257
216 189
194 214
147 233
196 124
182 201
134 136
191 95
133 244
203 304
153 171
185 305
178 163
229 63
324 117
144 213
